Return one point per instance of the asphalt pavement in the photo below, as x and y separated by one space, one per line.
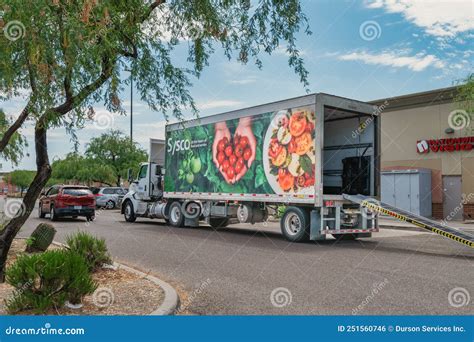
245 269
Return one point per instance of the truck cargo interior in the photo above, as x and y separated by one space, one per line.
348 154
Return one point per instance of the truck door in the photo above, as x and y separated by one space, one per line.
143 182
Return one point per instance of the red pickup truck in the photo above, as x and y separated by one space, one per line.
67 200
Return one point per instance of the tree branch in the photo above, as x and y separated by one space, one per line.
15 126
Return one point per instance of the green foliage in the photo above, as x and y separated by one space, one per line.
46 280
14 151
72 54
465 95
77 168
114 151
41 238
92 249
21 178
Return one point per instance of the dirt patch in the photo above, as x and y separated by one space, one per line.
119 292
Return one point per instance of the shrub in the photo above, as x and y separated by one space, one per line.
92 249
47 280
41 238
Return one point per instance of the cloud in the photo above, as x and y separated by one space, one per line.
419 62
212 104
437 18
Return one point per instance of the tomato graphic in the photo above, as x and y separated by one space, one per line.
309 127
247 153
229 151
244 141
298 124
292 146
230 172
303 144
280 158
286 180
220 157
225 165
275 148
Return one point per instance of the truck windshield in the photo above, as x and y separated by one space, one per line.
142 172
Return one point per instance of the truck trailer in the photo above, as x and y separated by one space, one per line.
304 154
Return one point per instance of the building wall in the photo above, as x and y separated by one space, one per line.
401 129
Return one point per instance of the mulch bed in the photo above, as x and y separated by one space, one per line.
119 292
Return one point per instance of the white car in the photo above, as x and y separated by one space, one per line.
109 197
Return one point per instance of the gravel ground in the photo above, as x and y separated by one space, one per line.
119 293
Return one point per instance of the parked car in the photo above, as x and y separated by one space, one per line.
109 197
67 200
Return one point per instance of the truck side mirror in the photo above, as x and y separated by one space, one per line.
158 171
130 175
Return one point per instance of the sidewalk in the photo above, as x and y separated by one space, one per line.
393 223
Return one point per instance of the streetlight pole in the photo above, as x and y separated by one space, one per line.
131 106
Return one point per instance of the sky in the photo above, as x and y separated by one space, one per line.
364 50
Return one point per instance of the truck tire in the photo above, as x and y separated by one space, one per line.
176 216
128 212
295 224
218 222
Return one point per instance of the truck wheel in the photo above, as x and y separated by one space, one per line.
220 222
295 224
128 212
176 216
345 237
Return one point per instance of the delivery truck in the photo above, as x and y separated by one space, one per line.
302 154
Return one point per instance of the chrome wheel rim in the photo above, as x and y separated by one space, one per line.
292 224
128 211
175 214
109 205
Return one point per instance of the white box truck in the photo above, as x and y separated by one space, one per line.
303 153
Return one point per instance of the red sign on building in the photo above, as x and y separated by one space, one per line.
445 145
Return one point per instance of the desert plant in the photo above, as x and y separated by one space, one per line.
92 249
47 280
41 238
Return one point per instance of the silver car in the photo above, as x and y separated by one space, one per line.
108 197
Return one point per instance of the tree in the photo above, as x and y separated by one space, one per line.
21 178
69 55
465 94
115 150
77 168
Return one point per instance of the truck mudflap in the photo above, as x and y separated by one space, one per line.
419 221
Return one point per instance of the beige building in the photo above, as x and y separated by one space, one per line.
417 133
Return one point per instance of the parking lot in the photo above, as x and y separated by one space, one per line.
245 269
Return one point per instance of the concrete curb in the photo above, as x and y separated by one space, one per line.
170 303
